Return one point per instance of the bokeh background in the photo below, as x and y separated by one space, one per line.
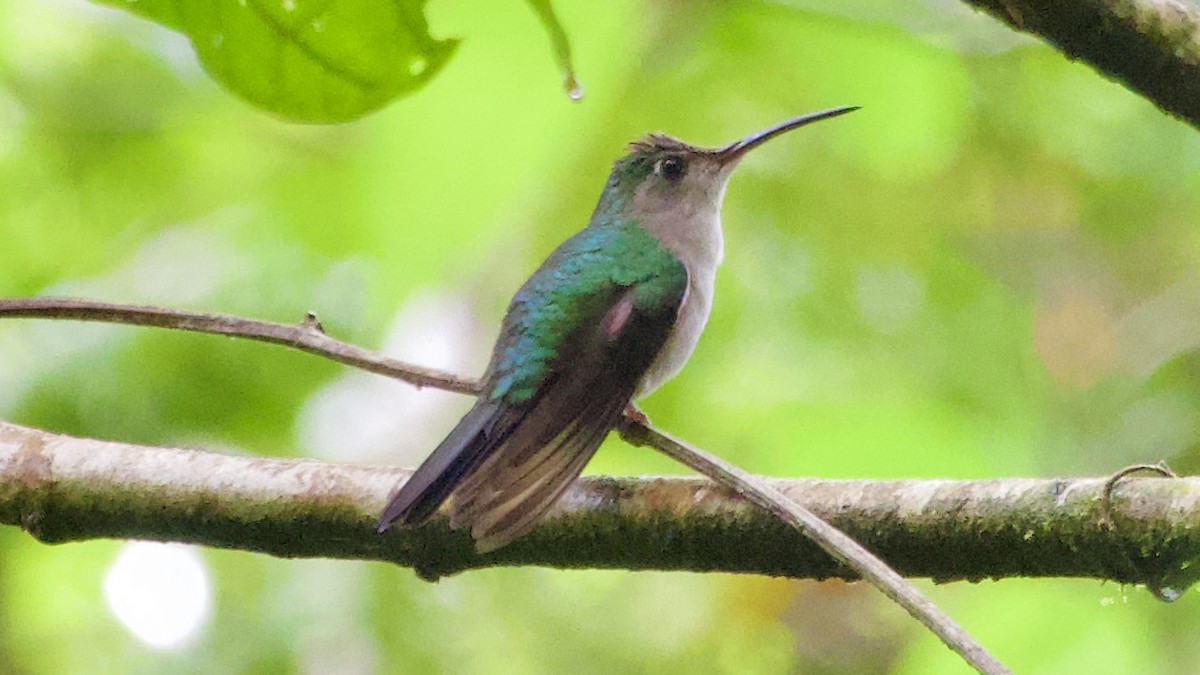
990 270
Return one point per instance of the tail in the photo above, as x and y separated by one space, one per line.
451 462
507 464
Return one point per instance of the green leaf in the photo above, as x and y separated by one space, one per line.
307 60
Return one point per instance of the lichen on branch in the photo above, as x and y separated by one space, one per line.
61 488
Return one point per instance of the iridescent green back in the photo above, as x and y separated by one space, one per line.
571 293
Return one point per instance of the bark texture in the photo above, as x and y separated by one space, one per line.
60 488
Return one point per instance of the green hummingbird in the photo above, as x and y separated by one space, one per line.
614 312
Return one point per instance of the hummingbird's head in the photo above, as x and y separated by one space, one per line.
664 177
664 183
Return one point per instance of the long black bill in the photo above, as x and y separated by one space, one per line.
731 153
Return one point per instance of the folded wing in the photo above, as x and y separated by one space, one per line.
515 452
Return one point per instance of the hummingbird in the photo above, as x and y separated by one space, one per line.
612 313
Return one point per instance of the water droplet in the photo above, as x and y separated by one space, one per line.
318 25
416 67
1167 593
573 87
289 5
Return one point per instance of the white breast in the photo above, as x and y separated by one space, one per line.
700 245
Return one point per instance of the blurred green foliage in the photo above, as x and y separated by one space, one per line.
988 271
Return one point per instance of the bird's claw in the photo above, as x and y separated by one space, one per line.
635 414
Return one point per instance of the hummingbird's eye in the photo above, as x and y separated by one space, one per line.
671 168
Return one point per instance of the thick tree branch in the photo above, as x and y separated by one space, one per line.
310 337
63 489
1153 46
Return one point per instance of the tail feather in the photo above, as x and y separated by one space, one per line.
526 474
509 519
451 462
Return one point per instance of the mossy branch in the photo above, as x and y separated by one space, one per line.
62 489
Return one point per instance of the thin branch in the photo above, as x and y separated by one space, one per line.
310 338
831 540
307 336
1152 46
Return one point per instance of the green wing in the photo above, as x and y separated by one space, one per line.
550 317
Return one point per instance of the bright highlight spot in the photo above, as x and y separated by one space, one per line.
160 592
888 297
361 417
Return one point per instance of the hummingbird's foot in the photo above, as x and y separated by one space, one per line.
635 414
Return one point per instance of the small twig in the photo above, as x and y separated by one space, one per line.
307 337
1162 592
311 322
1160 468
